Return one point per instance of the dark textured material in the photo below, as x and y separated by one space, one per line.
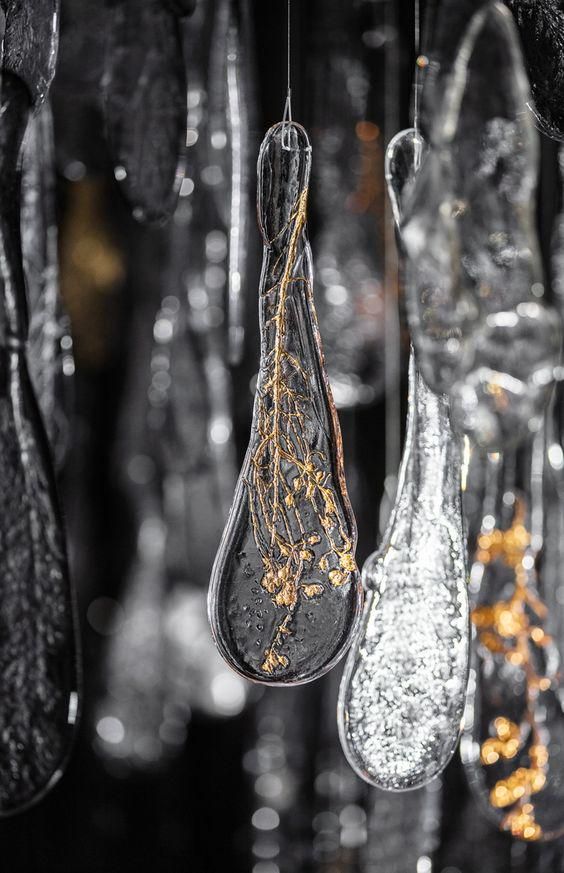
145 106
47 322
180 7
31 42
541 26
38 684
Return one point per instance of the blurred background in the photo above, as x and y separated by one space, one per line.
180 765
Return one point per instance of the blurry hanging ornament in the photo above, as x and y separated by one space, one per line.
176 447
145 105
285 592
348 205
402 694
480 329
38 657
50 343
231 118
541 28
513 746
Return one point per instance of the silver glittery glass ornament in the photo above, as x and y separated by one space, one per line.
402 694
285 592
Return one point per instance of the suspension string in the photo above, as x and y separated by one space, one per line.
417 52
287 117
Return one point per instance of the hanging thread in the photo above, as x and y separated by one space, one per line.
287 117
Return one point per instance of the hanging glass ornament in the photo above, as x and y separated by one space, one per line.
50 344
513 746
541 28
480 328
285 591
38 658
176 448
231 110
402 694
145 105
403 690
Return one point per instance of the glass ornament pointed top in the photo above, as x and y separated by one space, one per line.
475 288
285 593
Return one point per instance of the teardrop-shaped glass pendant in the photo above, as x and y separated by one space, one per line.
513 746
38 664
285 592
402 694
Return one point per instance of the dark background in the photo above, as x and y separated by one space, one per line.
196 813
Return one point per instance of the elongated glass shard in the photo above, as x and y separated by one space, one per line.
402 695
513 746
145 95
285 592
231 110
38 666
480 328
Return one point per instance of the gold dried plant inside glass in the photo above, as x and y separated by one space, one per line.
285 593
515 753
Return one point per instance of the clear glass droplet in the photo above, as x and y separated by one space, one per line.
288 547
402 693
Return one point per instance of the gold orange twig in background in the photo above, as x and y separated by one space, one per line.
510 628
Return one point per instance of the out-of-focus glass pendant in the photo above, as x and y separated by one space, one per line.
145 105
513 746
38 665
479 325
402 695
285 592
50 344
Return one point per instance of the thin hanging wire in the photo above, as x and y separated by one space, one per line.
287 117
418 62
